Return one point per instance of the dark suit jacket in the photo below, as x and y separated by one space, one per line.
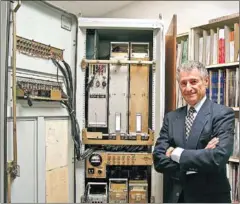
210 181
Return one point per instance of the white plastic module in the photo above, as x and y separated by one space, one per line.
98 95
118 89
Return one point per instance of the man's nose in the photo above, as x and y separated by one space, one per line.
188 86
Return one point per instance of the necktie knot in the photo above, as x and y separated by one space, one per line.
191 110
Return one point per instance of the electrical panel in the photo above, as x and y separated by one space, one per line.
126 174
118 114
98 95
118 89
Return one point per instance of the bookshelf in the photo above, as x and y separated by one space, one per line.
235 109
182 47
217 42
182 42
229 64
216 45
234 159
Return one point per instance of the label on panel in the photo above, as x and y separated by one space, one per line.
118 89
98 95
139 89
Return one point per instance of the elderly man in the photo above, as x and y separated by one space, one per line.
195 143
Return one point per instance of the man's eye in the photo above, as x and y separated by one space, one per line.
183 83
193 81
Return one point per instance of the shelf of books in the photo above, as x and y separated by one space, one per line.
182 56
216 45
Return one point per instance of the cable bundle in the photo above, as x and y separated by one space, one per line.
124 148
68 80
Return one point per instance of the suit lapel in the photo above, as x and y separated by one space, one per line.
179 127
198 124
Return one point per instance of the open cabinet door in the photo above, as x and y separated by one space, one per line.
170 65
170 86
45 149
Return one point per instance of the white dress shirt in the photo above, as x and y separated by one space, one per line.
176 154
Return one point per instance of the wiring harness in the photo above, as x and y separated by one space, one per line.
124 148
69 104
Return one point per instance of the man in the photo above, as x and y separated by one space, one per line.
195 143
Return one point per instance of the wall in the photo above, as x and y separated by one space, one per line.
189 13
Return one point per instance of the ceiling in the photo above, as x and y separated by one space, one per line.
90 8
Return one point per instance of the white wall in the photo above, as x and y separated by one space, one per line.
189 13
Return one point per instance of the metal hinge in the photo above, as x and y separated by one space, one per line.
13 169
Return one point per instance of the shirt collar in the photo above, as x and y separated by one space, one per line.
199 104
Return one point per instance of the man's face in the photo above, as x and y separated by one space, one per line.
193 86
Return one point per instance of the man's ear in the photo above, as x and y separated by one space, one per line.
206 81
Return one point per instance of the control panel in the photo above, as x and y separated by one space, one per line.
96 164
97 95
118 116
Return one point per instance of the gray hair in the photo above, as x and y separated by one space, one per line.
190 65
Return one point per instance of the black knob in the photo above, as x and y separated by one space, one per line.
99 171
97 84
104 83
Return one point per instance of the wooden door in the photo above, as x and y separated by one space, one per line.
170 65
170 86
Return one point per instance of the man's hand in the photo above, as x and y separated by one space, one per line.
212 144
169 151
